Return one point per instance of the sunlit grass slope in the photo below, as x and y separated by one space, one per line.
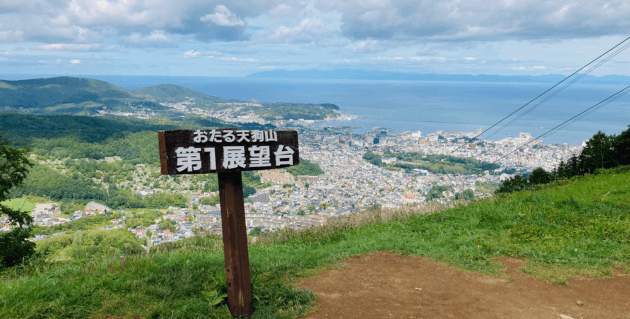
564 228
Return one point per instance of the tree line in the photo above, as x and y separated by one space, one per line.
600 152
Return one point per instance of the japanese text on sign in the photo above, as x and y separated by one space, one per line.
206 151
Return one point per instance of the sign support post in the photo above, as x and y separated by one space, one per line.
239 287
228 152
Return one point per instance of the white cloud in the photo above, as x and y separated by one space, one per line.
398 58
75 61
541 67
425 58
75 47
11 35
155 38
191 54
202 54
316 30
283 10
43 61
480 20
235 59
222 16
468 58
5 53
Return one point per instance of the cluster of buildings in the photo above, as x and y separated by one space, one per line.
350 184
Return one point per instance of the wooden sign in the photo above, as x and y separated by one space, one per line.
229 152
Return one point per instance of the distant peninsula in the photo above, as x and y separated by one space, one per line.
89 97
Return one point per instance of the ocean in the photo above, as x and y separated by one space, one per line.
426 106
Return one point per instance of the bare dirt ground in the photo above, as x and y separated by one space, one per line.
383 285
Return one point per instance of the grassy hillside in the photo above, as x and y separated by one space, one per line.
19 203
564 229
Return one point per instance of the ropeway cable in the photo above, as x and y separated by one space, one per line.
541 94
582 114
581 75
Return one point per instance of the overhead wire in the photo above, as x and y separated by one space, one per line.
559 90
580 115
543 93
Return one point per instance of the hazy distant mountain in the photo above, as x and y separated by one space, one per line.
350 74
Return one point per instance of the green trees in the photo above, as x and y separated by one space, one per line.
601 151
210 200
514 184
372 158
540 176
436 192
14 166
305 168
468 195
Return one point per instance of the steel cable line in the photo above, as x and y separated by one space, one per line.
560 90
541 94
580 115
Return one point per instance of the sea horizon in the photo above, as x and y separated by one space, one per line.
426 106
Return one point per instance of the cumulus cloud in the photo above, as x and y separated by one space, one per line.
480 20
202 54
283 10
89 21
222 16
155 38
75 61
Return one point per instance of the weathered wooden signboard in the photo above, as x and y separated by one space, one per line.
228 152
215 151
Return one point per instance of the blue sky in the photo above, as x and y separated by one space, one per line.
240 37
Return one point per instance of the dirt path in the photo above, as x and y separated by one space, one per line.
383 285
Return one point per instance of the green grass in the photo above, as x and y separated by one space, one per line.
18 203
564 229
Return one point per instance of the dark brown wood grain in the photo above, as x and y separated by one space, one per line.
163 157
235 244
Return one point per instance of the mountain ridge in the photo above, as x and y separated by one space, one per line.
357 74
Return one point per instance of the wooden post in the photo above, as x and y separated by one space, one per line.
235 244
229 152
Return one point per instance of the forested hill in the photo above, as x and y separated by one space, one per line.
24 128
78 96
81 96
43 93
174 93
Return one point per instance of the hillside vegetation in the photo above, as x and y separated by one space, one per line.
564 228
80 96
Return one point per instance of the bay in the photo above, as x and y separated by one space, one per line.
427 106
